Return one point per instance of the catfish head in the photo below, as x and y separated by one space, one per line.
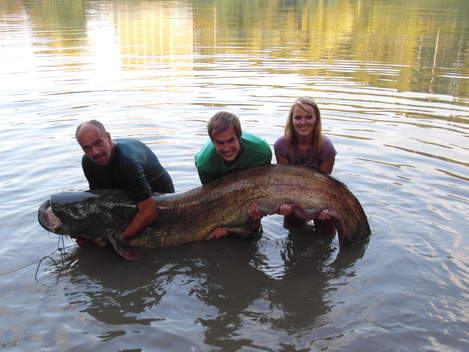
95 215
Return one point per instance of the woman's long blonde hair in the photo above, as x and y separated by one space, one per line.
290 134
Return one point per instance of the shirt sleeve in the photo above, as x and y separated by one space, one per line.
205 163
327 150
137 182
267 155
91 176
204 177
280 147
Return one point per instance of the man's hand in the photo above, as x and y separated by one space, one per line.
147 213
217 233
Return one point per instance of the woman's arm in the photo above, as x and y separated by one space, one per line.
281 159
327 165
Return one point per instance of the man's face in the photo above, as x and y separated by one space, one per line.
96 144
227 144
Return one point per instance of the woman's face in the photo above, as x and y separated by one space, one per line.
303 119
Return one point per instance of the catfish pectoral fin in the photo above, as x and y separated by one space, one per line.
123 249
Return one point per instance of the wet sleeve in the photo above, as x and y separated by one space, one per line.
267 154
93 177
327 151
137 183
280 147
204 176
200 161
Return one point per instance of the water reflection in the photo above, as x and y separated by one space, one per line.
229 277
155 32
312 264
58 27
313 38
391 80
110 290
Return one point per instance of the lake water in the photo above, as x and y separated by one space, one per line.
392 81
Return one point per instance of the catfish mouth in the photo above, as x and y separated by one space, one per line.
48 219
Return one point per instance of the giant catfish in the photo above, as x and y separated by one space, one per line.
101 215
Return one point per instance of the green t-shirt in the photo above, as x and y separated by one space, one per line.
210 165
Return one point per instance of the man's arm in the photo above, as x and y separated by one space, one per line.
204 177
147 213
263 155
92 175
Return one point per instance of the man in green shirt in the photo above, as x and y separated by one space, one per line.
228 150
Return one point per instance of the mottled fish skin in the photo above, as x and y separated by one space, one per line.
193 215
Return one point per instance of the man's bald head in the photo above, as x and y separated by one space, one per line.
95 141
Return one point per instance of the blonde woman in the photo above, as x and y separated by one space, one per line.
304 144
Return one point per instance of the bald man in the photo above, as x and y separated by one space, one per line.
125 164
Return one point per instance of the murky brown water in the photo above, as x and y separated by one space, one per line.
392 81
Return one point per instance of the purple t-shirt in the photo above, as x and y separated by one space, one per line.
310 160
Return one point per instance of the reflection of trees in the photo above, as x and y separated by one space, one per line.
10 8
366 32
319 36
422 49
152 32
58 14
62 22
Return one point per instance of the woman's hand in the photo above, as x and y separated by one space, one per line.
285 209
324 215
254 212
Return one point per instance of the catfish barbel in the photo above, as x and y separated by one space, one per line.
101 215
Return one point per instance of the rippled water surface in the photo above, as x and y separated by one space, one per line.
392 81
